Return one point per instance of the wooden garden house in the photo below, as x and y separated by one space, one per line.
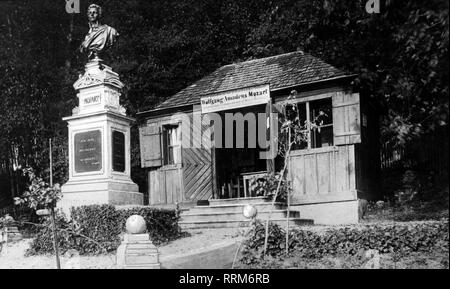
188 159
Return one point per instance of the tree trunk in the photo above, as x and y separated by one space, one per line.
275 197
55 238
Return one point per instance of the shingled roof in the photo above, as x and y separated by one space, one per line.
280 71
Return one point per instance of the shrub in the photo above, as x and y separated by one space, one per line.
102 223
267 186
95 229
253 247
43 239
348 241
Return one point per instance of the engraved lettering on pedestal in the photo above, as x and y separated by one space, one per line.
88 151
118 151
95 99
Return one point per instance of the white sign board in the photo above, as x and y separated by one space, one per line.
235 98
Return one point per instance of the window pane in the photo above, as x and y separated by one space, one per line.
326 134
170 139
321 115
170 156
165 146
299 139
176 150
297 114
321 112
322 137
175 136
170 136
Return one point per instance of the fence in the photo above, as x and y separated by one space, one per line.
429 153
391 157
16 211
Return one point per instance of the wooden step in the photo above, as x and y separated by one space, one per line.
234 208
235 224
234 216
227 213
249 200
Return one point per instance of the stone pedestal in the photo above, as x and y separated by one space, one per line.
13 234
137 252
99 143
10 232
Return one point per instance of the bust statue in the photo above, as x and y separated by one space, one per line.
100 36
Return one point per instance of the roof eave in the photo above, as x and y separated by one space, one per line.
166 110
342 77
162 110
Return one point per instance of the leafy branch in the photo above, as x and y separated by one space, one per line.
40 195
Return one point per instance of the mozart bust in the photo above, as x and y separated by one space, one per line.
100 36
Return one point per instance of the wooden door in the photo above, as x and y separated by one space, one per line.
197 164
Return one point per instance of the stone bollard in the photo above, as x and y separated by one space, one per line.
72 260
137 250
12 232
374 259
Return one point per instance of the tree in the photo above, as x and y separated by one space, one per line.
400 57
42 196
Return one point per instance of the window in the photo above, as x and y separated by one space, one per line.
297 114
322 118
315 120
171 144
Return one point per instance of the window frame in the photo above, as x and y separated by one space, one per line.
166 144
314 130
307 101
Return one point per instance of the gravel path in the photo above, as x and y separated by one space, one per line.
13 257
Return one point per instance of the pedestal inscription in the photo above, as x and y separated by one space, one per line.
88 151
118 151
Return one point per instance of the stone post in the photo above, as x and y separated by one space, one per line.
136 250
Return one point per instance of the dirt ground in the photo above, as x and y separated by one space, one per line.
12 256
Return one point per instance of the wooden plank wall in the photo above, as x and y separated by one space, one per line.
323 175
165 186
165 183
150 145
191 180
346 118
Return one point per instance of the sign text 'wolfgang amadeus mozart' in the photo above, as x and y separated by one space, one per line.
235 98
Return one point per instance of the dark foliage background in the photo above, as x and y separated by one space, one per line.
400 56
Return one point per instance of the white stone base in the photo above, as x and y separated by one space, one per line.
137 252
99 192
332 213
